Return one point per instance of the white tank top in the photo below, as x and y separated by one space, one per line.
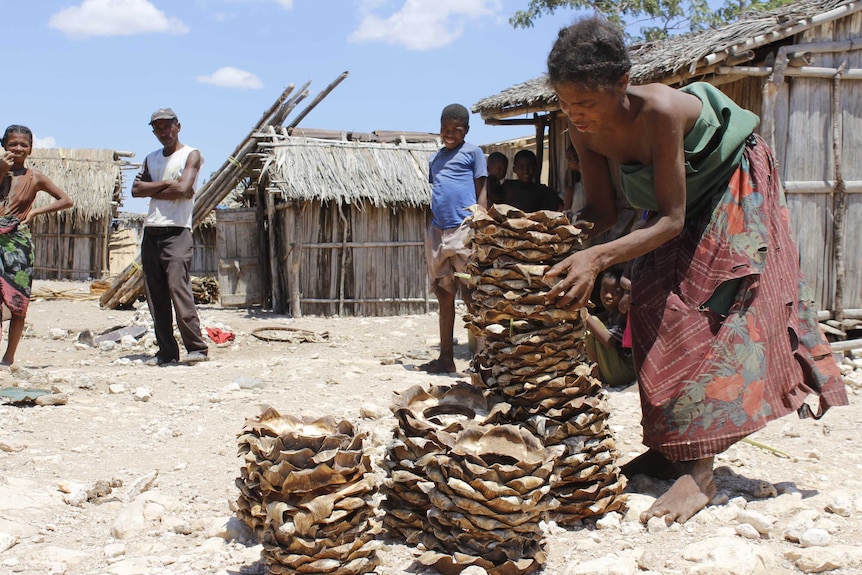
166 213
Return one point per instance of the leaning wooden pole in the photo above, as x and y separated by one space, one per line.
129 284
324 93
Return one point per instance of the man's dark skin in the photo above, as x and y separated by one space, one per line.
168 134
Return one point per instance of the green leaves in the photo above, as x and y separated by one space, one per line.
652 19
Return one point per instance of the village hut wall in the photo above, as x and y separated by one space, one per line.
347 224
204 253
73 244
799 68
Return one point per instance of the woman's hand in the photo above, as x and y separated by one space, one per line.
573 291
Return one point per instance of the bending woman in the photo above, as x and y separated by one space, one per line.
724 336
18 188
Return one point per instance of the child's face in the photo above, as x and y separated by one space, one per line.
18 146
572 160
497 170
525 170
611 293
453 132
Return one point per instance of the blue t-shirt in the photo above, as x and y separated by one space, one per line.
453 175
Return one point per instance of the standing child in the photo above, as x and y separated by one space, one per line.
457 173
605 336
18 188
573 188
498 167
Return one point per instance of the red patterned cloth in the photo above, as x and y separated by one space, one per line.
708 380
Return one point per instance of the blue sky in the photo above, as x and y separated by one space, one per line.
88 73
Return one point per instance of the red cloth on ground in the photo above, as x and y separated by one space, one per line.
219 336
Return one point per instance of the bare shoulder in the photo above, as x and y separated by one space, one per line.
195 159
39 178
659 95
667 105
42 182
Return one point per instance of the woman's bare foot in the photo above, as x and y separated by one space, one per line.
688 495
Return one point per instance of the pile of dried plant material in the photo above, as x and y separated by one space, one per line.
205 289
306 490
420 413
534 355
489 490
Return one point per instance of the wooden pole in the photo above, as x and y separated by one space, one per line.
299 117
838 200
540 144
277 305
343 263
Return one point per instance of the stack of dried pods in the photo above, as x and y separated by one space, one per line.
488 492
306 490
534 354
420 414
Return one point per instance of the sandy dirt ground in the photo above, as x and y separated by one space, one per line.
165 439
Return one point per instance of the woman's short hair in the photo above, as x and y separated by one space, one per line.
590 53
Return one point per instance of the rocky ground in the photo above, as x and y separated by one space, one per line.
130 469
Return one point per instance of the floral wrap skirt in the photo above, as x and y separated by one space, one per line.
706 378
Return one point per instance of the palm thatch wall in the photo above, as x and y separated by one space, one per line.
799 67
73 244
347 221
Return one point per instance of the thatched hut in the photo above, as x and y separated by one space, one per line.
346 215
799 68
73 244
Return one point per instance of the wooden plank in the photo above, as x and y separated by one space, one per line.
238 259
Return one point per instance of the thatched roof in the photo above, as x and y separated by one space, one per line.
92 178
678 59
354 172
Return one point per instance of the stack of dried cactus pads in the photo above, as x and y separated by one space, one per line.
489 490
420 414
306 490
534 354
464 487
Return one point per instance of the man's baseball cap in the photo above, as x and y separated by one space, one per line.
163 114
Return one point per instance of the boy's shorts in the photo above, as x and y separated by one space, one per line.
446 252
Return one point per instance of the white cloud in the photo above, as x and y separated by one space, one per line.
115 18
47 142
421 25
230 77
286 4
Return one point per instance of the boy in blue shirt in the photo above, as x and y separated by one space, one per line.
457 173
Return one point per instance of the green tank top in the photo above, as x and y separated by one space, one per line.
713 150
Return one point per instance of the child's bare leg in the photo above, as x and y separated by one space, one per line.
16 329
688 495
446 299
